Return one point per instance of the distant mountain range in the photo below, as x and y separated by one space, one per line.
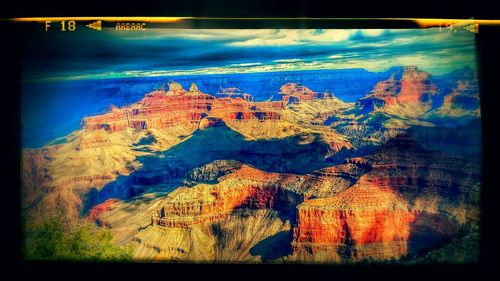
45 104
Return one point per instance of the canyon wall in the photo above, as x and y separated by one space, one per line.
187 176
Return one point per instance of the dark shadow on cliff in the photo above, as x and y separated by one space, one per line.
273 155
274 247
432 177
463 141
429 232
166 170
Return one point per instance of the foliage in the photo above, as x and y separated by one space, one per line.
51 240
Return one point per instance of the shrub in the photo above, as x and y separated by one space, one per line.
50 240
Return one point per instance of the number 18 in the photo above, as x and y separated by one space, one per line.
71 25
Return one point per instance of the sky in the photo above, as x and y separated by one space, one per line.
90 54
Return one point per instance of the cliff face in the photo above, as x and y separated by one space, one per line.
160 110
223 195
183 107
221 187
364 221
35 175
416 86
235 218
411 97
409 200
245 235
465 95
394 105
244 188
178 107
414 89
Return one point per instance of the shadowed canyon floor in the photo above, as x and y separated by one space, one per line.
188 176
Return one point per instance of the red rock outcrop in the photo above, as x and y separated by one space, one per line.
414 86
364 221
386 90
242 186
158 109
238 109
106 206
404 165
246 187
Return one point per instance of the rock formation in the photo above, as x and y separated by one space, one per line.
296 92
381 207
462 103
106 206
364 221
413 88
187 176
410 199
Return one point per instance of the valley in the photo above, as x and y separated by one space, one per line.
183 175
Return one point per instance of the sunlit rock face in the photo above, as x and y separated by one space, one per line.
189 176
245 188
364 221
158 109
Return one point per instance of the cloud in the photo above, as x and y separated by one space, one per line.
287 37
287 60
245 64
346 55
373 32
160 52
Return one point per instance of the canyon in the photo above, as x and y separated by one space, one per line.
187 176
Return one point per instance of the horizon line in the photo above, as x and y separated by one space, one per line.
121 75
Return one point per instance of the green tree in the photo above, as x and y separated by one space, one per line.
86 242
